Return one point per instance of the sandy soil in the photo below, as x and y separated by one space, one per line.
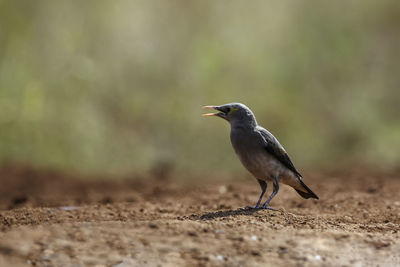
52 219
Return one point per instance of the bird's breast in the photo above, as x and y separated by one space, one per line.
254 156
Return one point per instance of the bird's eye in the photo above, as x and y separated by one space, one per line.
228 110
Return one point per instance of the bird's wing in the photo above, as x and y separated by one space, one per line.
273 147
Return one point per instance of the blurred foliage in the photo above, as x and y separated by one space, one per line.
117 86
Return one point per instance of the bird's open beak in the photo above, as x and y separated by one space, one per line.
218 114
210 107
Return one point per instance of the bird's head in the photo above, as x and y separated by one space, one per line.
234 113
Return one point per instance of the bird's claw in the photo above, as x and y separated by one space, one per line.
262 207
267 208
251 207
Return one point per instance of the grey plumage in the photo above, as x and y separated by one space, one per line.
260 152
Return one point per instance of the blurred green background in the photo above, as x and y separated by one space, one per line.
116 86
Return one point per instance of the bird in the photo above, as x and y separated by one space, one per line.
260 153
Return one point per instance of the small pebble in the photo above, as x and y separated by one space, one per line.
282 250
222 189
254 237
255 253
220 258
67 208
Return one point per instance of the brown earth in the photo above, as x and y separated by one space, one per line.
53 219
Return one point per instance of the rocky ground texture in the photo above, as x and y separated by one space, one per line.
53 219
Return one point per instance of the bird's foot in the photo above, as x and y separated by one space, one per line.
251 207
262 207
266 207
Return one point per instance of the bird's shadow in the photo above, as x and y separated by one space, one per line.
224 213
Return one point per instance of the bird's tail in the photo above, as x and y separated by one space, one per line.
308 194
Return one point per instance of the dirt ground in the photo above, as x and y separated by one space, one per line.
52 219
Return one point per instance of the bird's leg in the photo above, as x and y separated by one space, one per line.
263 186
274 192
